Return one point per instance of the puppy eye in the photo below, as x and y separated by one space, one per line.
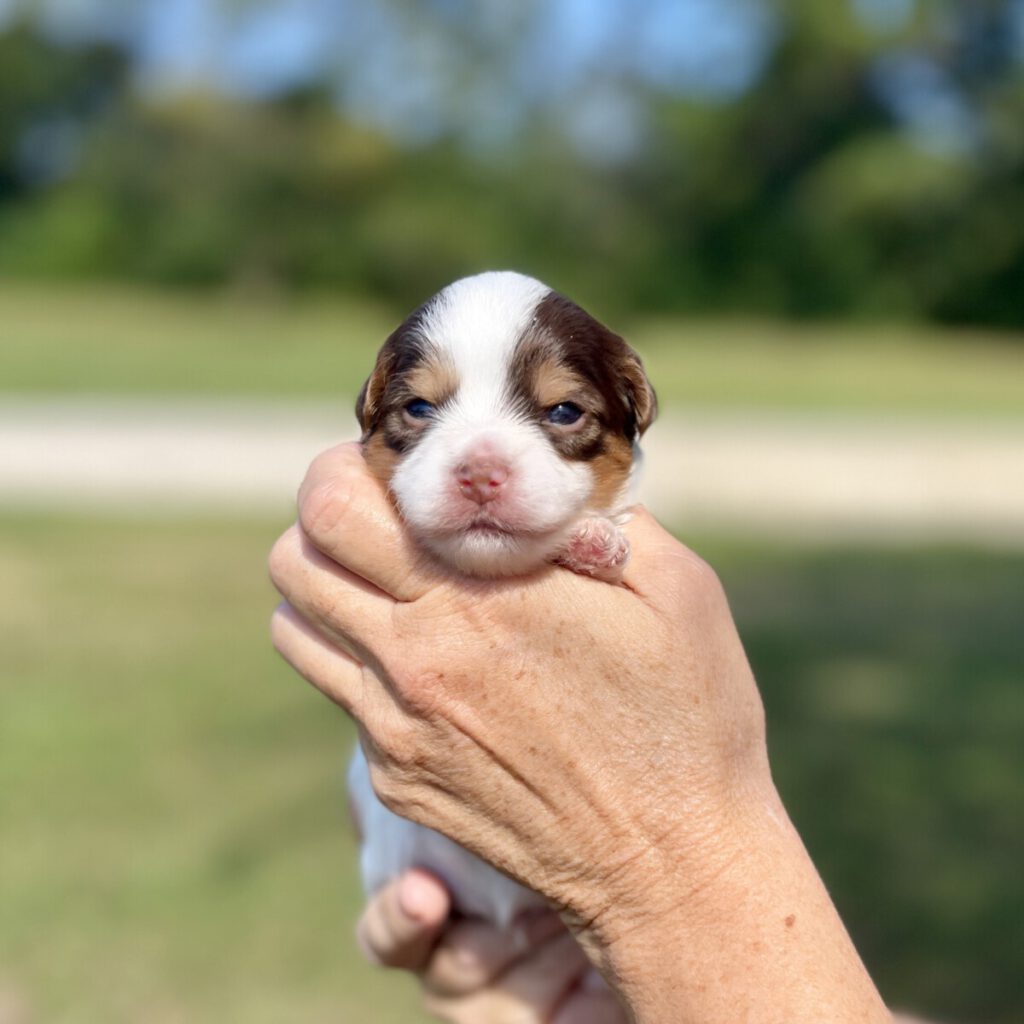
564 414
420 409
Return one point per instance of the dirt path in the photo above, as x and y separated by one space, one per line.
804 476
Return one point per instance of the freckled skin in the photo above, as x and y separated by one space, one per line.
671 866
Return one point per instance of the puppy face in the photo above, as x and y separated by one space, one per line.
500 413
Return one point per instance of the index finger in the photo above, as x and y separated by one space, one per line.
346 514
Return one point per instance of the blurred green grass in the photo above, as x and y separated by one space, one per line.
77 339
171 795
175 845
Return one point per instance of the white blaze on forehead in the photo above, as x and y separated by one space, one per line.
477 322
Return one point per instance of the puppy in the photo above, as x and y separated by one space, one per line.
504 420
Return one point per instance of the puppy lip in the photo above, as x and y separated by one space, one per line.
487 526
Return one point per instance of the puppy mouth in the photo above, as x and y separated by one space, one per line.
490 526
487 528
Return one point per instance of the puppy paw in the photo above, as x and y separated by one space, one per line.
596 548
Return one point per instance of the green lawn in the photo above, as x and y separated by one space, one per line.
174 845
76 339
174 840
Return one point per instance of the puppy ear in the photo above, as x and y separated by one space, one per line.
366 404
371 397
402 345
638 392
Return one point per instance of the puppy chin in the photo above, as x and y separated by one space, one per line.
492 554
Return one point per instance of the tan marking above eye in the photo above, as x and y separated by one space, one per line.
434 380
553 384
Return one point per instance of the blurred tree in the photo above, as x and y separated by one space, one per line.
864 157
47 93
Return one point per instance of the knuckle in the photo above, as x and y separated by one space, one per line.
278 631
368 939
393 741
703 577
423 691
462 963
394 790
326 496
281 559
695 582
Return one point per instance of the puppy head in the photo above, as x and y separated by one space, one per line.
498 414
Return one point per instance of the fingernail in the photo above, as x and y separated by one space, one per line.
417 899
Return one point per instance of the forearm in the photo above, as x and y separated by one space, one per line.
748 935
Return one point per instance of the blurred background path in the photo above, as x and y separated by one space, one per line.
849 476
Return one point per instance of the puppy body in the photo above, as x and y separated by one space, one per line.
504 421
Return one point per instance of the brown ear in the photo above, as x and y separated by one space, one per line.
403 344
638 392
365 405
371 396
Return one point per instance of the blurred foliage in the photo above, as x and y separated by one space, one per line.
871 169
171 794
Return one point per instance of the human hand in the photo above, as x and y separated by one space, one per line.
474 973
604 745
589 762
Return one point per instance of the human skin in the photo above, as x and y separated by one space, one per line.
604 745
472 972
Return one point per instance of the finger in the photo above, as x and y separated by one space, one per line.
346 513
653 552
543 979
530 990
473 953
402 921
583 1007
334 672
351 612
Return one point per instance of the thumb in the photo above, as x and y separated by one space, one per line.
401 923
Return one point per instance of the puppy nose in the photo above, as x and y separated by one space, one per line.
481 479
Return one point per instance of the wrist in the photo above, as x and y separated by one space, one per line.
686 876
732 923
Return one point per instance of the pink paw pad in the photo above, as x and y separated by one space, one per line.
597 548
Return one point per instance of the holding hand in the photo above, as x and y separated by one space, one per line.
474 973
603 745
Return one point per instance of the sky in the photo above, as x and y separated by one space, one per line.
397 65
714 46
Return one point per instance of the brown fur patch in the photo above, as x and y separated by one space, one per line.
565 335
404 349
611 471
565 355
380 457
552 383
434 379
407 367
